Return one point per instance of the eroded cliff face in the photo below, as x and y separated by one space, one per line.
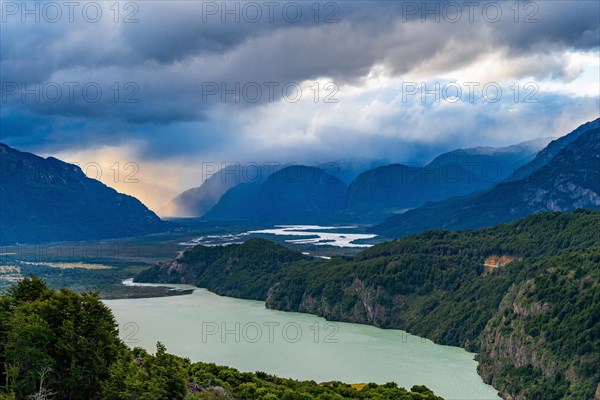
505 342
513 346
175 271
369 305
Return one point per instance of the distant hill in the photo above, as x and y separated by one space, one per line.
295 194
570 179
43 200
390 189
372 196
197 201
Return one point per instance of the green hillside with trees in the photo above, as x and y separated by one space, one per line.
534 321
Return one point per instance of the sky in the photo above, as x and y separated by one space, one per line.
148 95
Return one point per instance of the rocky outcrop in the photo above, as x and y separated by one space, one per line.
510 342
505 342
368 307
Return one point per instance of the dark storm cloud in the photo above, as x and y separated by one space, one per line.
181 30
571 24
164 61
170 32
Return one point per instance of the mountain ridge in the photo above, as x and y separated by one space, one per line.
48 200
570 180
380 191
387 190
552 149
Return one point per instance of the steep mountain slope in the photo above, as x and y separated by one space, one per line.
197 201
553 148
534 321
49 200
570 180
383 191
542 343
296 194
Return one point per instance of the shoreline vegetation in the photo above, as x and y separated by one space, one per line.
534 322
38 329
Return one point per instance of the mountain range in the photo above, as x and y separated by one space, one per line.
197 201
390 189
563 177
371 197
47 200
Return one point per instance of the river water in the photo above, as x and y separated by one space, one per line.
244 334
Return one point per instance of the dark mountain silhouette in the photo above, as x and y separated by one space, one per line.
43 200
568 181
296 194
387 190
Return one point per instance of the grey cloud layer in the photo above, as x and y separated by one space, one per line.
172 51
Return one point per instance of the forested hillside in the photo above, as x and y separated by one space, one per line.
534 320
247 270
